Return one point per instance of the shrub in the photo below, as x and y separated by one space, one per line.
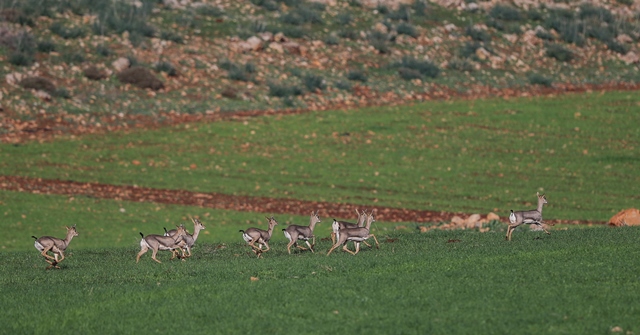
277 90
420 7
588 10
61 92
538 79
38 83
348 34
462 65
332 39
46 46
618 47
103 50
93 73
469 49
73 57
476 34
314 82
20 59
67 32
344 19
167 68
343 85
357 75
210 11
407 29
171 36
403 13
409 74
379 41
545 35
559 52
237 73
504 12
140 77
425 68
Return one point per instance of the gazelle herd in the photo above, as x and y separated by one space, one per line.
180 242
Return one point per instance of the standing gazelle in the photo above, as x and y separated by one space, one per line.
295 233
357 235
57 246
260 236
533 216
160 242
188 240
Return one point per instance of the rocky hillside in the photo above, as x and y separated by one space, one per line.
80 66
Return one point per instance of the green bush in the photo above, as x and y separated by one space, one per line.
476 34
462 65
357 75
344 19
424 67
20 58
46 46
559 52
67 32
167 68
409 74
343 85
408 29
314 82
210 11
505 12
538 79
545 35
618 47
278 90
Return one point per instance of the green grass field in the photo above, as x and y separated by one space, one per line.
460 156
576 281
469 156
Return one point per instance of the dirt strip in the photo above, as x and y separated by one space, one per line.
224 201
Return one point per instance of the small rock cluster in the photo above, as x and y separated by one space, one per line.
474 221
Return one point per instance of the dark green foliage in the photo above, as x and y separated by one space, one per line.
280 90
344 18
46 46
357 75
20 59
348 34
103 50
423 67
61 92
167 68
300 16
238 72
545 35
209 10
468 49
462 65
140 77
420 7
94 73
314 82
67 32
409 74
38 83
408 29
121 16
343 85
171 36
602 14
332 39
403 13
380 41
258 26
559 52
538 79
505 13
269 5
73 57
477 34
618 47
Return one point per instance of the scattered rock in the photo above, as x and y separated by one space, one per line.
255 43
627 217
630 58
472 221
624 38
121 64
493 217
14 78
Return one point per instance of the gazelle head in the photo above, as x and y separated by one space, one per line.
541 198
72 231
272 221
314 218
197 224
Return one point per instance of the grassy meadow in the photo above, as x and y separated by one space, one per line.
576 281
458 156
469 156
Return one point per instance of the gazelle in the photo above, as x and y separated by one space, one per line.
189 239
259 236
533 216
362 217
357 235
57 246
159 242
295 233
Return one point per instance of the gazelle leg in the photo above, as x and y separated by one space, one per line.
332 248
375 239
142 252
310 245
153 256
540 225
347 249
44 253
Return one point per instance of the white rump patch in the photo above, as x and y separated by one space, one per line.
247 238
287 235
38 246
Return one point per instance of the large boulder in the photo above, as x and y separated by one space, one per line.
627 217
